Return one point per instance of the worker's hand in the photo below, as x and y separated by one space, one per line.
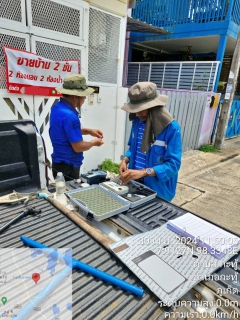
131 175
123 166
97 142
96 133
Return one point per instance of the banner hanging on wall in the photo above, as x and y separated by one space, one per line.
28 73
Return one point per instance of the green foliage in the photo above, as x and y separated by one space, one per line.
208 148
110 166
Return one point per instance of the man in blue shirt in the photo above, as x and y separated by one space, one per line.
65 128
155 147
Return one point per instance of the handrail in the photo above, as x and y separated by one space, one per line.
168 13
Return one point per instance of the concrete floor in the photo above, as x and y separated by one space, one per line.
209 185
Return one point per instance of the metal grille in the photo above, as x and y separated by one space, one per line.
104 32
175 75
57 17
10 41
97 200
57 52
11 10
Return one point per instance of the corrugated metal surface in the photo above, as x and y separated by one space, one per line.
92 298
157 212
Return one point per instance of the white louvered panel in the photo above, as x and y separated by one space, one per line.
175 75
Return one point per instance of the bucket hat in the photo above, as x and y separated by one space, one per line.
75 85
142 96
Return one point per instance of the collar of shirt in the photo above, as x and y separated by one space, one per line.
69 105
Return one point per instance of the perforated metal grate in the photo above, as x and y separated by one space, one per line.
104 32
98 201
10 41
57 52
57 17
11 10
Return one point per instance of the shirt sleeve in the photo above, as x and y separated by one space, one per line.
72 128
171 160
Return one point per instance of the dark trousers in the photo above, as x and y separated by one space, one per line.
68 171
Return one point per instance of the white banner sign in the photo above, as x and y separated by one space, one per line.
31 74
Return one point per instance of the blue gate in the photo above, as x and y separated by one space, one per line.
233 128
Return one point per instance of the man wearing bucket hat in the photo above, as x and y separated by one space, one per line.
65 128
155 147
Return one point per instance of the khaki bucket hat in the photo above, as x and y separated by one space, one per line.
75 85
142 96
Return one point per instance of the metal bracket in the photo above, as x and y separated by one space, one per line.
89 216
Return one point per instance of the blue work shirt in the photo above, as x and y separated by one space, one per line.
65 128
164 156
140 158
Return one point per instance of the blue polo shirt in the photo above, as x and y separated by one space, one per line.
65 128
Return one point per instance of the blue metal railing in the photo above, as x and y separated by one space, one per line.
236 12
233 127
168 13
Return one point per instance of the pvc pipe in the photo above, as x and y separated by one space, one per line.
93 271
43 196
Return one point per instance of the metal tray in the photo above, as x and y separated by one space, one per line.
134 189
97 202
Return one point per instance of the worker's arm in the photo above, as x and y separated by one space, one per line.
92 132
127 156
82 145
170 160
129 175
123 165
72 127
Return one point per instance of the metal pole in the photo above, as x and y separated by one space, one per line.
229 95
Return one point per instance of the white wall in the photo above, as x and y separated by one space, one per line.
111 120
105 115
